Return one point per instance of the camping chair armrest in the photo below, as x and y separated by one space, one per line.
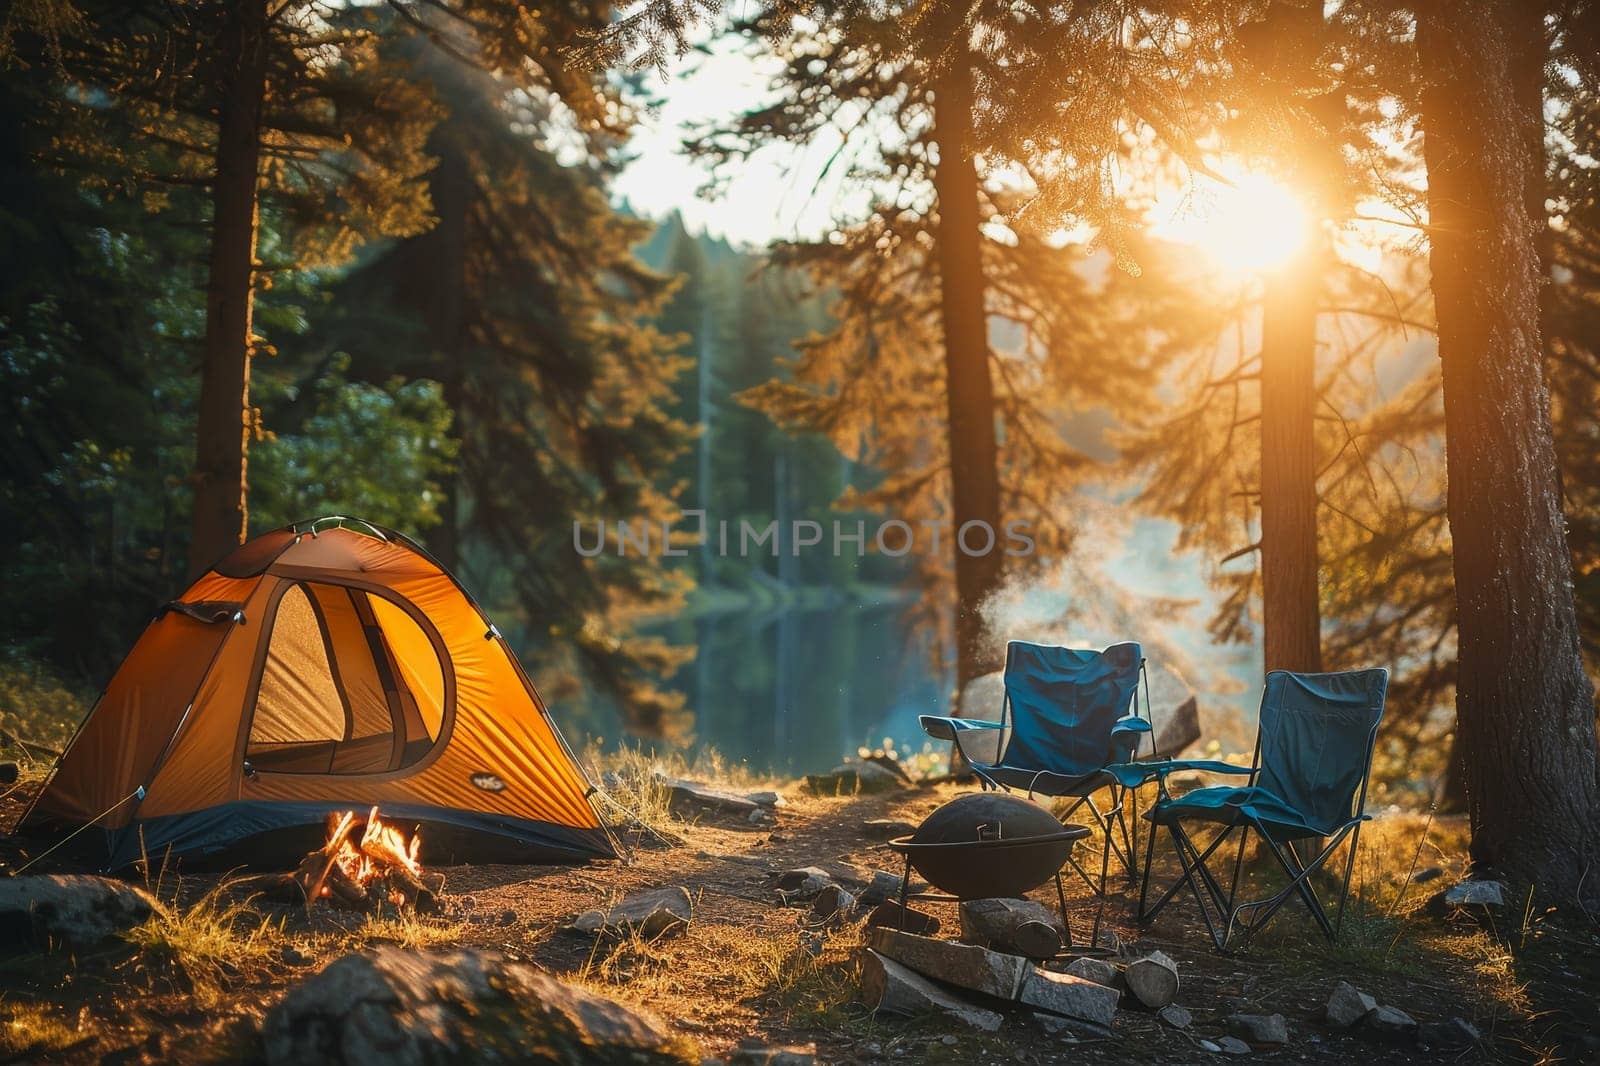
1126 734
1160 768
942 728
983 735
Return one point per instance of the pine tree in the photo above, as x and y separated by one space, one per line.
527 303
1524 705
918 276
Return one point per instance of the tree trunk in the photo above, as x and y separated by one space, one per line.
969 393
222 437
1291 612
1524 706
445 317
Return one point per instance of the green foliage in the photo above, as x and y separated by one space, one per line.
376 451
37 707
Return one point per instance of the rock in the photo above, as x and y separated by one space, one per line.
1347 1005
1475 893
401 1006
1390 1022
1176 1016
1177 729
887 828
804 882
647 914
1426 874
1232 1045
767 798
1099 971
1109 942
761 816
74 910
1057 1027
1456 1034
1069 996
891 764
881 888
293 956
834 784
1014 926
888 986
893 916
963 965
691 797
1152 980
832 906
875 777
1260 1030
754 1052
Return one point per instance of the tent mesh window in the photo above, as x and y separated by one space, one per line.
350 684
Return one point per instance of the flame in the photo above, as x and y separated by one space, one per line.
380 848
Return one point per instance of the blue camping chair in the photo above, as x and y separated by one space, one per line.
1064 720
1308 783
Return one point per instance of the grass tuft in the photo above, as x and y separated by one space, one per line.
209 942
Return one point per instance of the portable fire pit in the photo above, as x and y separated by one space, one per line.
987 846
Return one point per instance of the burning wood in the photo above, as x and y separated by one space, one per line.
359 872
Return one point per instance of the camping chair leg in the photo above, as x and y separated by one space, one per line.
1144 883
1238 869
1203 887
1261 911
1173 889
1349 870
1199 880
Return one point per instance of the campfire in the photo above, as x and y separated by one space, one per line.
363 865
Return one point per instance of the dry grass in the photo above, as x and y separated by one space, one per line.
781 972
634 795
208 942
32 1029
404 929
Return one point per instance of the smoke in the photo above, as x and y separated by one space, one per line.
1124 582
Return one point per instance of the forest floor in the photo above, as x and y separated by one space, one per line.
196 987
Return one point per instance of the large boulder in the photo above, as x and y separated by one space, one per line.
394 1007
71 910
982 699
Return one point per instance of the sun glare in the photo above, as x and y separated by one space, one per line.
1255 225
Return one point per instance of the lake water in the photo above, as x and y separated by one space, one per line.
796 689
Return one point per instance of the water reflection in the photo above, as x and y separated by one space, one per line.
796 688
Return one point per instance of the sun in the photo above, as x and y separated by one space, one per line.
1254 226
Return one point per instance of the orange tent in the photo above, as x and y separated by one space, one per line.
320 668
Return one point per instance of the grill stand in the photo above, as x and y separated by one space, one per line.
906 895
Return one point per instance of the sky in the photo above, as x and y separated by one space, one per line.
771 196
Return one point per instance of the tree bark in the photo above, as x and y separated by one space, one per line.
1524 706
1291 610
222 438
969 392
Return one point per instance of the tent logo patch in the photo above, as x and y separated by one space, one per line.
488 782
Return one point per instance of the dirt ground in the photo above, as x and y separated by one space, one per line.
196 991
